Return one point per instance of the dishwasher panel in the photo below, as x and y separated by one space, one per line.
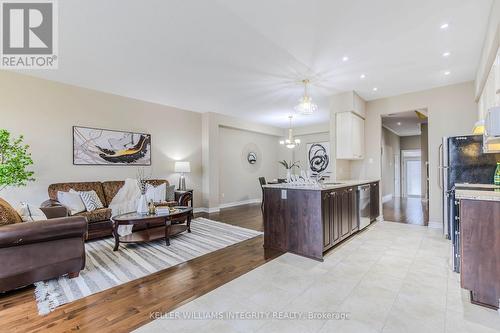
364 211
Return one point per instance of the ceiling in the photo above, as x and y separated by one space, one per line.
404 123
247 58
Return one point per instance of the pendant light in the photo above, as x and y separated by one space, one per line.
306 105
290 142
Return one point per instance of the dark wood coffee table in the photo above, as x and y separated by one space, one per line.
157 226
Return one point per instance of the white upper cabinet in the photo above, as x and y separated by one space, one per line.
349 101
350 129
490 96
496 78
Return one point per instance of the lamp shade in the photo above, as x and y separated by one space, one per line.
182 167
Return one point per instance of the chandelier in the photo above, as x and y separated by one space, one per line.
290 142
306 105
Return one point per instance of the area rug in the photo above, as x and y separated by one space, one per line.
105 268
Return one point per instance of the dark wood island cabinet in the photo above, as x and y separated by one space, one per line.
480 250
308 221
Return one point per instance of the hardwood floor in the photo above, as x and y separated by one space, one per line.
129 306
406 210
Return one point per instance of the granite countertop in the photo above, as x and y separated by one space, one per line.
329 185
486 192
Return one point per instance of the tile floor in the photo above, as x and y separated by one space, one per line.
389 278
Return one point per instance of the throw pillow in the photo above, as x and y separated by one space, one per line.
91 200
8 215
30 213
157 194
171 193
72 201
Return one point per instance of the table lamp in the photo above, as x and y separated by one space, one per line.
182 168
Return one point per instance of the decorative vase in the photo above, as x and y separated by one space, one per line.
142 206
288 176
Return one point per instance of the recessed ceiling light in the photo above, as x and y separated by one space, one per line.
399 123
446 54
444 26
447 73
362 76
375 89
345 58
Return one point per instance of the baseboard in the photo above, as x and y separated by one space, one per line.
435 225
206 210
239 203
387 197
225 205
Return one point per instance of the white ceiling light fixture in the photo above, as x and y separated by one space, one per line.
290 142
447 73
375 89
306 105
444 26
362 76
345 58
446 54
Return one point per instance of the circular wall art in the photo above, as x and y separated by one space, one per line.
252 157
318 158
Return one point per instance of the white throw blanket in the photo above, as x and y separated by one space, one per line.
126 201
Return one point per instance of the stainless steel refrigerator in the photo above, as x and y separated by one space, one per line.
462 161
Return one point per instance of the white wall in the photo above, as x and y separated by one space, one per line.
45 111
452 111
410 142
390 148
238 179
300 152
311 134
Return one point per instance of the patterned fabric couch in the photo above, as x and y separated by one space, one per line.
99 221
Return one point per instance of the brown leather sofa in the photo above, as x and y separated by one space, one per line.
42 250
99 221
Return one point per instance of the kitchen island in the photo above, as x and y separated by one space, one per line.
310 219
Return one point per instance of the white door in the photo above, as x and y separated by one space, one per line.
412 173
413 177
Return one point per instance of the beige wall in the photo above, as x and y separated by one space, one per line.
410 142
234 136
45 112
238 179
211 129
452 111
390 148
